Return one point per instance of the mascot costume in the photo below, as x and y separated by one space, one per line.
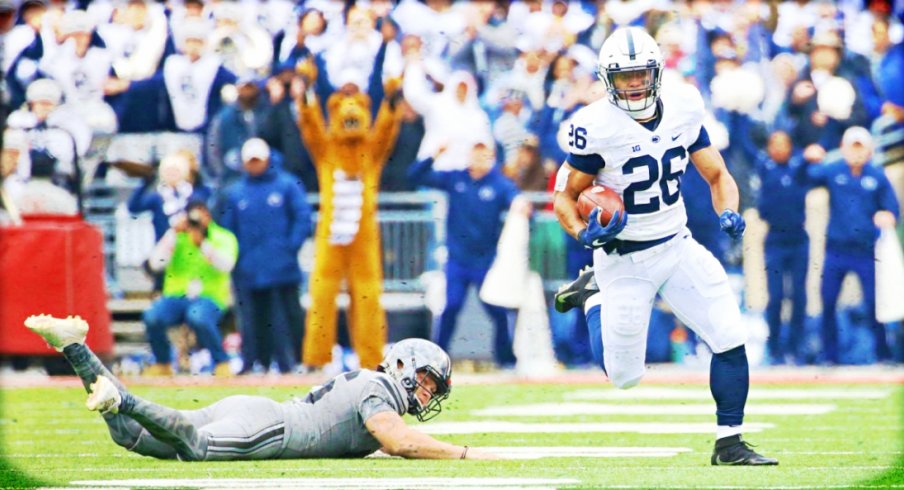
349 150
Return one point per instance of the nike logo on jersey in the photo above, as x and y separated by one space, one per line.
597 243
676 136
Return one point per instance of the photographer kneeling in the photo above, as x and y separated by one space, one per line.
195 256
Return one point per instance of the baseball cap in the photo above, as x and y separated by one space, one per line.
194 29
44 89
857 134
255 148
826 38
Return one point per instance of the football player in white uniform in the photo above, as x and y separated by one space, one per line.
638 143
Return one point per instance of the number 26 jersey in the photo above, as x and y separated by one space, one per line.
642 162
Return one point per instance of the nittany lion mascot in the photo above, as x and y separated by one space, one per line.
348 152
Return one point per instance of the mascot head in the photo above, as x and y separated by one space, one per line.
349 116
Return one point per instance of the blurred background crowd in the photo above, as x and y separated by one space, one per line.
194 108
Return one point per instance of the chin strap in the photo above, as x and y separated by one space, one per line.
643 113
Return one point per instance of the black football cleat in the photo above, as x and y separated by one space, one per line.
573 294
734 451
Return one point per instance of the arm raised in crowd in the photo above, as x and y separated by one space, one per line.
387 123
310 116
142 199
421 173
417 94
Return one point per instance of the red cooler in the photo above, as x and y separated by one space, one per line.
52 265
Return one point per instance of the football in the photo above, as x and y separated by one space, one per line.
602 197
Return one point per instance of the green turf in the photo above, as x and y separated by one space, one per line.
49 438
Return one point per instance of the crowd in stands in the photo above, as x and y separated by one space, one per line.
168 95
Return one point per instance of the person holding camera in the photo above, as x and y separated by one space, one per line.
196 256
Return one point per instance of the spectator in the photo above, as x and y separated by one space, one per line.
273 15
7 17
14 152
235 124
528 76
23 49
510 128
299 41
269 214
444 113
245 48
56 137
477 197
526 169
138 39
824 101
357 50
782 203
81 70
167 200
487 45
889 128
191 81
860 201
566 92
280 128
196 256
411 134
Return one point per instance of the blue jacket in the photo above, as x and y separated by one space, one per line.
782 198
228 130
474 222
852 203
146 198
271 219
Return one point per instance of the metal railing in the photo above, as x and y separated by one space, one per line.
412 227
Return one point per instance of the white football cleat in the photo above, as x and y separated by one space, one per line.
104 396
58 332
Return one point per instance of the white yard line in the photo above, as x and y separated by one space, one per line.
570 409
504 427
772 487
343 483
657 393
526 452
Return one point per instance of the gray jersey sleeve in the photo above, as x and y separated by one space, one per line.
382 394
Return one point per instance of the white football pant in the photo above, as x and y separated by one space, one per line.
690 280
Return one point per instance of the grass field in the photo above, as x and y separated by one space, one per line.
659 435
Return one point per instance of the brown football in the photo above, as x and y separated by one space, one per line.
602 197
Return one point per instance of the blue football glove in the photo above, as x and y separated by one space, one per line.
732 223
596 235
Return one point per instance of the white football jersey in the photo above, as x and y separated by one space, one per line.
643 166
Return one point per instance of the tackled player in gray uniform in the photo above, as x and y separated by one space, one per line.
351 416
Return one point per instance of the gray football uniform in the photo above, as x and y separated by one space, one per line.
329 421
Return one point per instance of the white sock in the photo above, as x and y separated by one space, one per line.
723 431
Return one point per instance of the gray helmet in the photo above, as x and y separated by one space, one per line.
409 357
